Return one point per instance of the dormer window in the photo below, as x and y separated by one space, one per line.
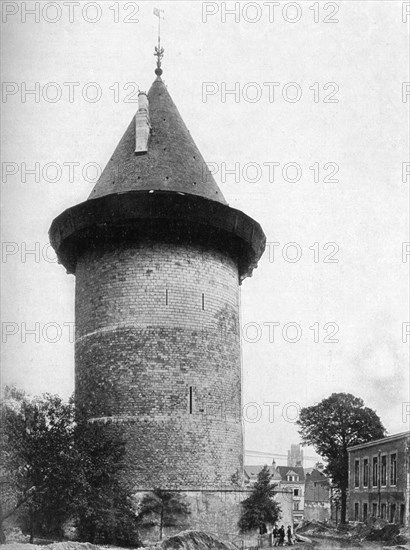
292 478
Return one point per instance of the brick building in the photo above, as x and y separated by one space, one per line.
159 258
317 496
379 479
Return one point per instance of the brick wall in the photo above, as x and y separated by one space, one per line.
158 350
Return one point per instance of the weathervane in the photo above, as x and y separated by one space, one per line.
159 52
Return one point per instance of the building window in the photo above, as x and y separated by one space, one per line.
356 473
203 301
296 505
356 511
374 510
383 511
392 513
166 296
295 492
366 472
402 513
364 511
375 472
383 473
393 469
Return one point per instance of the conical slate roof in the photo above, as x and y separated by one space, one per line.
173 161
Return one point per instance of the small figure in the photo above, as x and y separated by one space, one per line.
281 535
275 534
289 534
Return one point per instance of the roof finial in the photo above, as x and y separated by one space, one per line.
159 52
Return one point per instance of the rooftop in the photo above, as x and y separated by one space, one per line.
157 186
284 471
172 161
393 437
252 472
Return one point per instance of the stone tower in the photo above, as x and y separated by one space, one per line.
159 257
295 455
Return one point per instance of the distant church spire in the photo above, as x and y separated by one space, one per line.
159 52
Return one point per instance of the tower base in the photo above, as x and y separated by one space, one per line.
217 513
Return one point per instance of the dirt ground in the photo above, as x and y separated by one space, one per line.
187 540
194 540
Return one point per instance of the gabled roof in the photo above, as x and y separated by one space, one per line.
285 471
251 472
315 475
173 161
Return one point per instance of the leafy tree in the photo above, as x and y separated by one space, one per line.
36 449
57 466
260 508
168 506
332 426
104 506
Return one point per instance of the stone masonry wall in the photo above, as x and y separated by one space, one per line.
316 511
218 513
158 350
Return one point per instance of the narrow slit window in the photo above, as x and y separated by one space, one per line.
166 297
203 301
190 400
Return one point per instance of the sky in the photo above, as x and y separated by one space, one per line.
301 111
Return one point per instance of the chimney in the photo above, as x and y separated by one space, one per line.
142 125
